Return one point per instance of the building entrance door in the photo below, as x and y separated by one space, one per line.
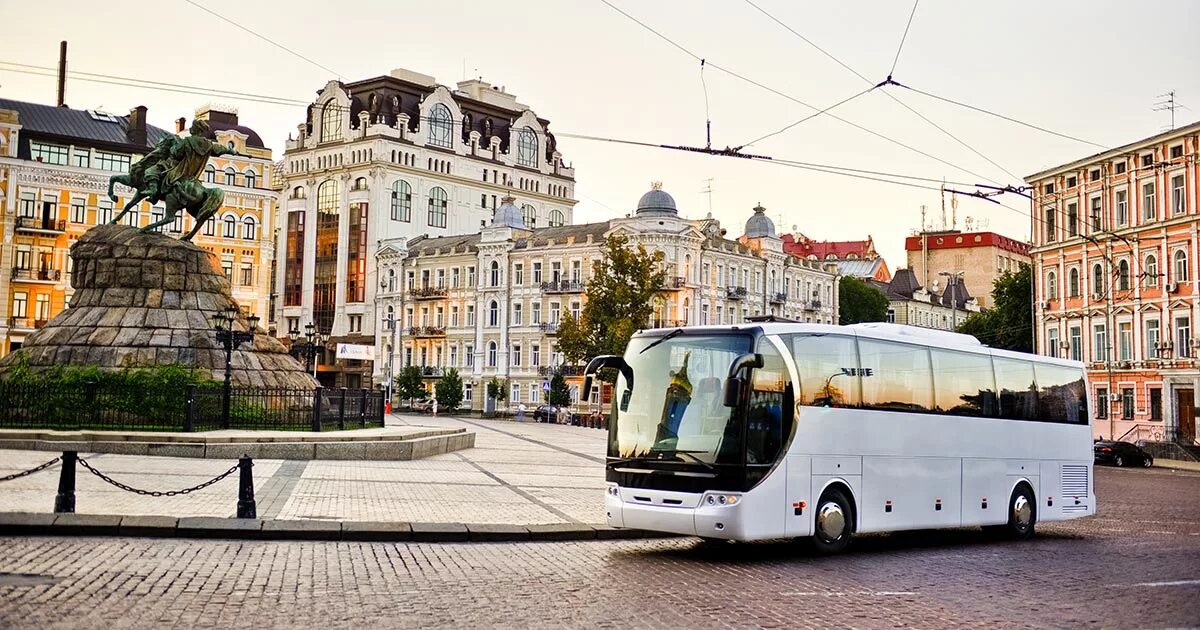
1187 415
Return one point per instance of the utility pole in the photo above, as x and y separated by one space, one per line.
952 279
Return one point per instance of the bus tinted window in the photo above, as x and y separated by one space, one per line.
895 376
964 384
768 417
1018 394
828 370
1061 394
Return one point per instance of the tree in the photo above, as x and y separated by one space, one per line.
498 389
860 302
619 301
409 385
449 390
1008 324
559 394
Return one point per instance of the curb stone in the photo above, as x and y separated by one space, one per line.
484 532
150 526
88 524
440 532
376 531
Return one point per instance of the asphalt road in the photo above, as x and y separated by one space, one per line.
1137 564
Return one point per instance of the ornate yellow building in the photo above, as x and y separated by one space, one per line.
54 168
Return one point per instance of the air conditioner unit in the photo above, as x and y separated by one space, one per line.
1172 287
1096 297
1045 304
1124 365
1114 398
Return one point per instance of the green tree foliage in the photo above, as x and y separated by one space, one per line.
498 389
1008 324
408 383
450 390
860 302
619 300
559 394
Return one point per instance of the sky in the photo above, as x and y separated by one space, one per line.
1093 70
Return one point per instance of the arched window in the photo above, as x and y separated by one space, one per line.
440 125
401 201
1073 282
493 313
331 122
1181 266
249 228
210 174
557 219
437 207
1051 286
1151 270
1123 275
298 192
327 197
1097 280
251 179
495 275
491 354
230 176
529 215
391 283
360 183
687 311
230 223
527 147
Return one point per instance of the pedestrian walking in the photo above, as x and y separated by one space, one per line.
521 412
434 407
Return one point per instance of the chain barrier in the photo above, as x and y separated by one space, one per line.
157 493
26 473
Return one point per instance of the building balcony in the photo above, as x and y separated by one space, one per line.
40 225
812 305
427 293
565 370
26 323
425 332
666 323
778 297
550 328
428 371
41 276
562 286
735 293
674 283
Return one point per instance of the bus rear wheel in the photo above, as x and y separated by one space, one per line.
1022 515
834 523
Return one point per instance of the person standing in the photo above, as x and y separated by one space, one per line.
434 407
521 412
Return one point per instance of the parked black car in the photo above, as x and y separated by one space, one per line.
1121 454
546 413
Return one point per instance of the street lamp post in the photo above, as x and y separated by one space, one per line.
952 284
307 350
389 323
223 325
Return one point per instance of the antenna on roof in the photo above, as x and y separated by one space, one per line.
708 190
1167 105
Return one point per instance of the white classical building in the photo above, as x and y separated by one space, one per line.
489 303
398 157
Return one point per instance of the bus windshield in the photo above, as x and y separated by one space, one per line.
676 410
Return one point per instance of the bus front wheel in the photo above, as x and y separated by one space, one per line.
1022 515
834 523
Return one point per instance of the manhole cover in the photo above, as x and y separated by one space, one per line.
26 579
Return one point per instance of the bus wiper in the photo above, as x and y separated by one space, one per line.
691 455
670 335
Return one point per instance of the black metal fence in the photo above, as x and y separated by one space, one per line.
194 408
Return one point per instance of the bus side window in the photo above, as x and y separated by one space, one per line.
965 385
769 414
895 376
1018 391
1061 396
827 367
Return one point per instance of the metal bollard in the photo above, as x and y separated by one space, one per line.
246 508
342 411
189 416
64 503
316 415
362 408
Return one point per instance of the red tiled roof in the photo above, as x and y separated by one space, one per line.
804 247
954 240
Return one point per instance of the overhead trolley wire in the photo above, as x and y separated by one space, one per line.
902 37
262 37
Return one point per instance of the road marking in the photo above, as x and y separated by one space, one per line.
1172 583
844 594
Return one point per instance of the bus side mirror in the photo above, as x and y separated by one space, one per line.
733 391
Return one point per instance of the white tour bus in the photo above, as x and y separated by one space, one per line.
778 430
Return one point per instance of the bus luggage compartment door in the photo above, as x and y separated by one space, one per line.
797 505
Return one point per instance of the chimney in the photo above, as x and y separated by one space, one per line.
136 130
62 73
180 125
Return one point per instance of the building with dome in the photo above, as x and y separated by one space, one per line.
489 303
399 158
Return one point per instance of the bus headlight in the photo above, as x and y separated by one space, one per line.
722 499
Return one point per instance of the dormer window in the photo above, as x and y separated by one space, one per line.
331 122
440 125
527 147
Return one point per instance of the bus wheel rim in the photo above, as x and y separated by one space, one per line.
1022 511
831 522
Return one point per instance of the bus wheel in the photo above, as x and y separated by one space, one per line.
1022 514
835 523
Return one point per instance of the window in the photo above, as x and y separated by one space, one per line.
557 219
515 396
133 217
81 158
1018 394
965 386
1127 403
1176 151
1148 160
331 122
48 153
1122 207
895 376
527 146
227 267
1123 275
1051 228
1094 175
1101 403
230 224
494 275
401 201
491 354
437 207
1073 282
1099 342
471 276
828 374
1120 167
251 179
516 315
535 355
1051 342
230 176
1151 270
1061 396
115 162
516 355
1152 338
20 306
1075 346
247 275
469 355
1125 341
518 274
493 313
1178 200
1072 181
440 126
210 226
1050 188
529 216
1149 208
249 229
1181 266
78 211
1051 286
1155 404
1097 281
1183 336
1072 219
455 275
1097 215
533 392
210 174
535 313
468 392
41 307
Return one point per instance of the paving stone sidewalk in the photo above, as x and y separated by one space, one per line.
517 474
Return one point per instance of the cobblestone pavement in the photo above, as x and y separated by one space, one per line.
1135 565
518 474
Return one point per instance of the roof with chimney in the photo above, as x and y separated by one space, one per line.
80 127
219 120
904 286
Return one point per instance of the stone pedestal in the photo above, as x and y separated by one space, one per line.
148 299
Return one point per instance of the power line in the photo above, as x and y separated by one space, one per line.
806 118
793 98
262 37
902 38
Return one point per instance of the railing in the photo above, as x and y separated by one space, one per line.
426 331
550 328
778 297
28 323
192 408
427 293
37 275
1162 441
735 293
565 370
674 283
666 323
428 371
38 223
562 286
812 305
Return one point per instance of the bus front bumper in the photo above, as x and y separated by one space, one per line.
693 515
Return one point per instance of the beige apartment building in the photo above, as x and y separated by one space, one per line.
981 257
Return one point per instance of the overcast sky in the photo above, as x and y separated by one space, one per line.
1089 69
